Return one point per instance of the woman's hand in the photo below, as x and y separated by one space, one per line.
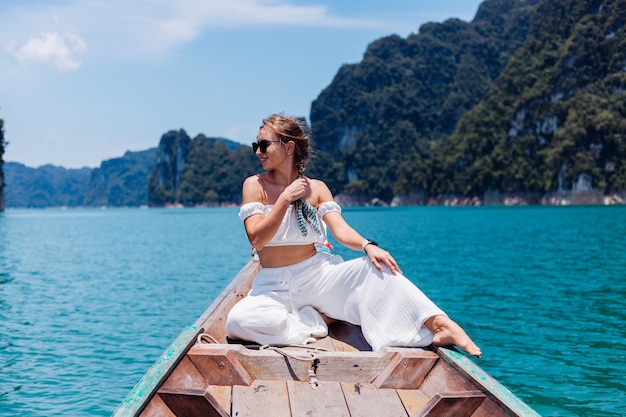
379 257
295 190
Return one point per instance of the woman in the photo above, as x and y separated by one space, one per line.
299 288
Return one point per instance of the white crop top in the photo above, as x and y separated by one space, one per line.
288 233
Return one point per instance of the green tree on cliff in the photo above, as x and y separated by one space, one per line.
556 115
376 123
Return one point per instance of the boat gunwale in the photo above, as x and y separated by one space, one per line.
488 384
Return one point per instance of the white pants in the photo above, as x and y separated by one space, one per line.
283 304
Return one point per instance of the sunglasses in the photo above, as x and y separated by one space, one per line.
262 145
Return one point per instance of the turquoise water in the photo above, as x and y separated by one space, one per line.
90 298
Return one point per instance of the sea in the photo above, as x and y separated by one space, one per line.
90 298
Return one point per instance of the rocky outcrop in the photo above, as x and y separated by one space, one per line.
495 198
552 124
121 182
378 118
199 172
165 179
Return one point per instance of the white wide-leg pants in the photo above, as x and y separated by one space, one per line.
283 304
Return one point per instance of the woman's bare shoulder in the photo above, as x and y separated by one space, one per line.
252 189
252 179
320 190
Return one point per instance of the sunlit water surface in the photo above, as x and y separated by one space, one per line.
90 298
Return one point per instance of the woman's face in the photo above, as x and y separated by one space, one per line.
270 149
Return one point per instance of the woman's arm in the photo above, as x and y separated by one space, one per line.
259 228
347 236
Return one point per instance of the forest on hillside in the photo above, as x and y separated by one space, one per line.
527 99
555 119
379 120
198 171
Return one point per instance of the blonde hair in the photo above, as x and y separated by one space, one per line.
291 129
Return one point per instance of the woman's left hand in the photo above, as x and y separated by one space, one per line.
380 257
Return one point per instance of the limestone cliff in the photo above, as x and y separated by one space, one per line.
553 122
377 121
165 179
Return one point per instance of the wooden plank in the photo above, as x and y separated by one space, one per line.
220 396
444 378
457 404
189 403
412 399
219 365
268 364
510 403
406 369
272 365
264 364
262 398
490 408
325 401
185 376
351 367
367 400
157 408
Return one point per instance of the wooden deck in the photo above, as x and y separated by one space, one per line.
338 375
234 380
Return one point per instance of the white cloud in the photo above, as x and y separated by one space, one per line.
182 21
253 12
60 50
143 26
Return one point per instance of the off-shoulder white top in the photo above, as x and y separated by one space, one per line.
288 233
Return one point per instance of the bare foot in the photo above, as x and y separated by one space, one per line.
447 332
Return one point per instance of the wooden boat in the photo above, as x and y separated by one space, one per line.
201 374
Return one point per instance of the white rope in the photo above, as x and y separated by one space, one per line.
202 337
279 349
312 379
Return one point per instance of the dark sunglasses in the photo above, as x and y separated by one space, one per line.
262 145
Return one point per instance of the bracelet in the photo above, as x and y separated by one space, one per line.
367 242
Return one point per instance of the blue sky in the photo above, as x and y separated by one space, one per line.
82 81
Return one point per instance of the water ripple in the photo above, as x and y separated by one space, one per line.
90 298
